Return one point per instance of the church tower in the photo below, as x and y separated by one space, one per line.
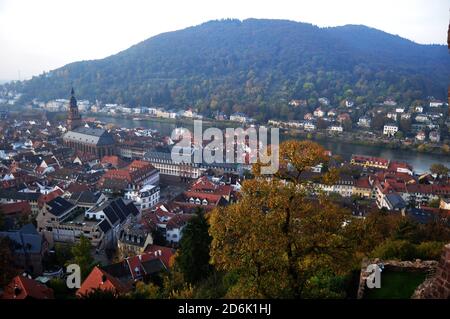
73 117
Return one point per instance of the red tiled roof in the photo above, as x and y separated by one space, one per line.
211 198
77 188
370 159
22 287
136 169
363 182
43 199
100 279
178 221
113 160
16 208
166 253
396 165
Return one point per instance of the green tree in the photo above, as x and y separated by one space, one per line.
347 125
63 254
99 293
430 250
7 269
60 289
193 255
405 125
82 256
399 135
2 220
395 249
378 122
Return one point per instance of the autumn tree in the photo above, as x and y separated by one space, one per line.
277 238
146 291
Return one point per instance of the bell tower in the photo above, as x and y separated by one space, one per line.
73 116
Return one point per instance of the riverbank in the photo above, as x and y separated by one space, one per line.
420 161
369 140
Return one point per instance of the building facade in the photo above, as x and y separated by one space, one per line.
86 140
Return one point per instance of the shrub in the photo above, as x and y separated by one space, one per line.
430 250
395 249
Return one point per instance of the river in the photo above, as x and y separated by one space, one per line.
420 161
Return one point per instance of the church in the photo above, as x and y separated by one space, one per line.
85 140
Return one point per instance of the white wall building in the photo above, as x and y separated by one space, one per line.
390 129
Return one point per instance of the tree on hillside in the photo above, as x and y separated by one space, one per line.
193 255
378 122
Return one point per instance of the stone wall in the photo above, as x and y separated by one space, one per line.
438 286
427 266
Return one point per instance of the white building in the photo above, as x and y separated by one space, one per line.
421 136
364 121
418 109
146 198
392 116
324 101
309 126
390 129
436 103
422 118
405 116
336 128
319 112
240 117
434 136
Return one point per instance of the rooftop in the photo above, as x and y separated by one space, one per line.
90 136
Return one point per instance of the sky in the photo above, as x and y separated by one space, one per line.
41 35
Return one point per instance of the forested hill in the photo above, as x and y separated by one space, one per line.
255 66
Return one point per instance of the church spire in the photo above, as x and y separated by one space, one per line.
73 100
73 117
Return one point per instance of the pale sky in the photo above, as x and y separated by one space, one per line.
41 35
